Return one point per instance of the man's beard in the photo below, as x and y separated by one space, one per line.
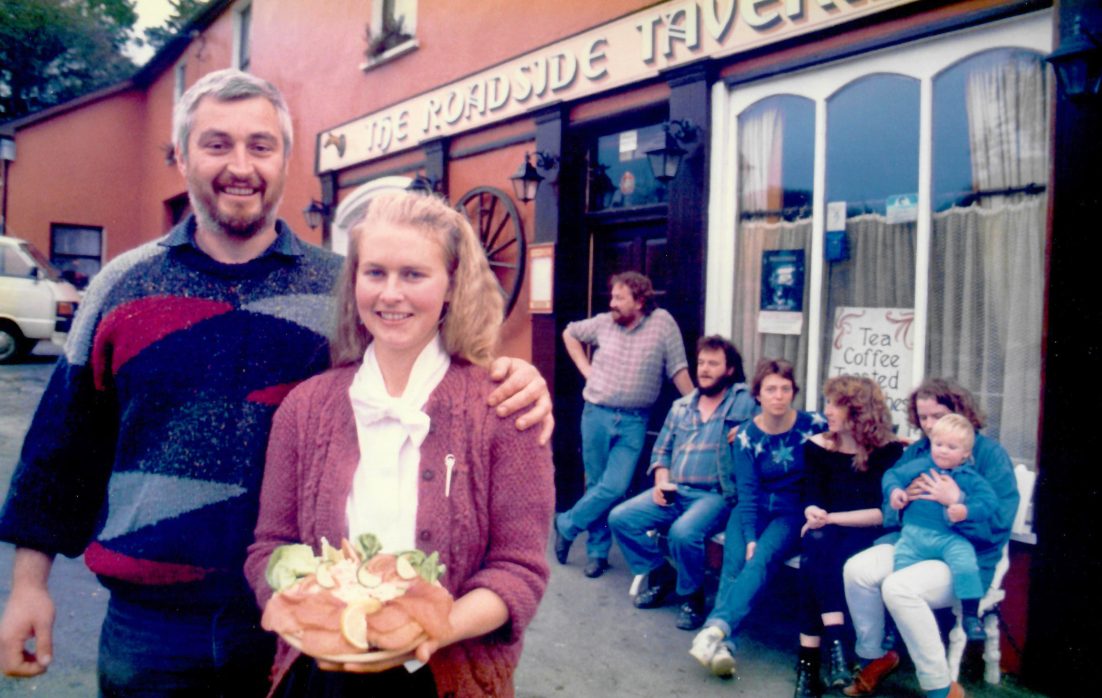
622 319
721 384
210 218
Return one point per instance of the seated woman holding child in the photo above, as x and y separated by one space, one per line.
873 579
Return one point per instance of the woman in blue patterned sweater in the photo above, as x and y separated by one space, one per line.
765 527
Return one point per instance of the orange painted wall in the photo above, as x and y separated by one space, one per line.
79 169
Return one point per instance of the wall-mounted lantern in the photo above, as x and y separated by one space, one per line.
527 178
316 213
1078 63
665 161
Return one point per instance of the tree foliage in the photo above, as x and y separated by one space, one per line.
52 51
183 11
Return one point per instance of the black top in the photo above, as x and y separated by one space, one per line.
833 484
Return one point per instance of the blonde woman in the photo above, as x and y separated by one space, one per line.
396 440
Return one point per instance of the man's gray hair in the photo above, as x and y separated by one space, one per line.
226 86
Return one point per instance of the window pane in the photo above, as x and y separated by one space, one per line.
987 256
621 176
75 251
872 185
776 155
74 240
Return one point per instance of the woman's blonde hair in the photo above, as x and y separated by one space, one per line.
472 315
867 412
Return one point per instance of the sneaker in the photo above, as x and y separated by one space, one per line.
866 680
973 629
705 645
723 662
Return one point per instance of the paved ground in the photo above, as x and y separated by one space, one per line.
587 639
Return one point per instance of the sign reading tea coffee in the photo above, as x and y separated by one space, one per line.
876 343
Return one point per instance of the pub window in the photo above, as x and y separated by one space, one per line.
77 251
775 181
930 167
990 162
620 174
872 179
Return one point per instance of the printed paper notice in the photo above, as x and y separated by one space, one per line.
876 343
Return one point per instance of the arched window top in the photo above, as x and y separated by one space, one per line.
777 161
872 142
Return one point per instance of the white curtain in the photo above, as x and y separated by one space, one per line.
761 143
987 261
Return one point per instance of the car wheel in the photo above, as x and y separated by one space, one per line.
12 344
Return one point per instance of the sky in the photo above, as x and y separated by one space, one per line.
151 13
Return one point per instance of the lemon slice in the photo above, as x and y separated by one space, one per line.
405 568
354 621
324 575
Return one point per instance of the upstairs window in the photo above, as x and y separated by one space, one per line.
391 32
242 22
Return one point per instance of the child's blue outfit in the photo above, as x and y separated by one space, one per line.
927 532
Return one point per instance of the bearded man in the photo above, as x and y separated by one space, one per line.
637 345
691 499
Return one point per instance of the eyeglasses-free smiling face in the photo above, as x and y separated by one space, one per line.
235 165
401 287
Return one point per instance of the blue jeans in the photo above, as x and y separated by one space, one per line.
612 439
692 518
168 651
742 579
918 543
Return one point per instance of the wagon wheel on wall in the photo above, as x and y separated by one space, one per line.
495 219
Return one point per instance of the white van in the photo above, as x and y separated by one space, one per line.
35 302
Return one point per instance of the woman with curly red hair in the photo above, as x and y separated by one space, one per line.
843 516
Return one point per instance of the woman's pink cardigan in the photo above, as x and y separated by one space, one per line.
491 530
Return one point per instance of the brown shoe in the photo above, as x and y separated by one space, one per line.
866 680
956 691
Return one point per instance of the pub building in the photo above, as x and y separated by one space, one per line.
890 188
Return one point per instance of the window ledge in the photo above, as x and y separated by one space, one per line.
391 54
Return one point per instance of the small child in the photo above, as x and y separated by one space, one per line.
928 532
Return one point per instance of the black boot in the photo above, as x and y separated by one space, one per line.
808 683
839 674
